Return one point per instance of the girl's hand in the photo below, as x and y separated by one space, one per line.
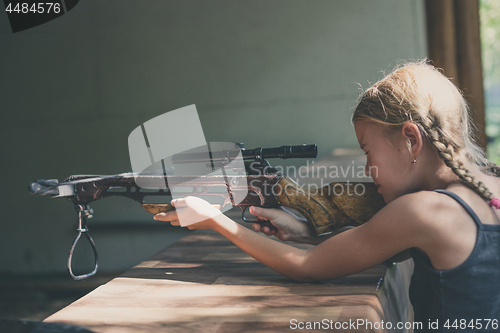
190 212
282 224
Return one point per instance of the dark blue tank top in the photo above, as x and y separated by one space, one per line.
465 298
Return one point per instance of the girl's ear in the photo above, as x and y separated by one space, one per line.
411 133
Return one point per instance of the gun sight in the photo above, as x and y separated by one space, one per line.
256 154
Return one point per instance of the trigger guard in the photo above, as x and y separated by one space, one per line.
243 217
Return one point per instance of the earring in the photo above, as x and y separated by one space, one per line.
413 160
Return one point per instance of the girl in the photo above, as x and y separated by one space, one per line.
414 128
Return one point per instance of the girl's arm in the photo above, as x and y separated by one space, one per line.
392 230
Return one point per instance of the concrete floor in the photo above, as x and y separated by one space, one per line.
34 298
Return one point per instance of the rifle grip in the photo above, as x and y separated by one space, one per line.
331 207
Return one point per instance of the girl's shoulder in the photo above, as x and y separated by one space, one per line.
428 216
419 217
442 227
424 206
432 205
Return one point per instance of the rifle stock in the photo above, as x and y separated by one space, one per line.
332 206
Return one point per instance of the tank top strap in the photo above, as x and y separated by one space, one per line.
464 205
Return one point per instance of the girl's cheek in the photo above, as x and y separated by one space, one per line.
368 166
367 169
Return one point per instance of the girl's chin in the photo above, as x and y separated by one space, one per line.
387 197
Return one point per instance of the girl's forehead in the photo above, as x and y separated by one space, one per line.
365 129
368 133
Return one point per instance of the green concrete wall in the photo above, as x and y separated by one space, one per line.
265 73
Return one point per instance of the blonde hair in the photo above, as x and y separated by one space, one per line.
421 94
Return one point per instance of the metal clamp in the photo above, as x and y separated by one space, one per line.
84 213
259 157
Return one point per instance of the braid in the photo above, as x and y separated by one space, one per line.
493 169
447 152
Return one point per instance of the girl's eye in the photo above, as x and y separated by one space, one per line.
366 153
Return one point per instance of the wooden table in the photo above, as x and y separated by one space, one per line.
203 283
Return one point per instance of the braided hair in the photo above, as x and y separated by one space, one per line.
421 94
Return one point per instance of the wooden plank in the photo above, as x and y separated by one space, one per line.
204 283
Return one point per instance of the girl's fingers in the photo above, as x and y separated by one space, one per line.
168 216
160 217
181 202
266 228
269 231
265 213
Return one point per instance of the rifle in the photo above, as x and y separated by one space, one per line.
326 209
